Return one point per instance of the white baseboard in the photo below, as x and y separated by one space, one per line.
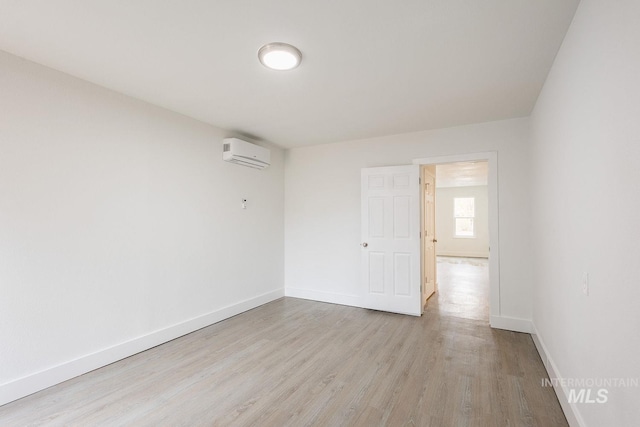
350 300
25 386
570 409
511 324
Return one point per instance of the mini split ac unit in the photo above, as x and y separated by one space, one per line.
245 153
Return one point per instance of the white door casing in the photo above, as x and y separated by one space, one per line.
390 246
497 320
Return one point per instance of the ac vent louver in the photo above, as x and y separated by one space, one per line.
245 153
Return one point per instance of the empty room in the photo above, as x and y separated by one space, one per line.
356 213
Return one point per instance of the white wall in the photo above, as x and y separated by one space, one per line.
322 207
585 205
120 227
448 244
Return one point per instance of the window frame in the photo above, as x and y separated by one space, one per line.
472 218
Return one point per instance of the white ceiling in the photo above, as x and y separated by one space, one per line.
370 68
462 174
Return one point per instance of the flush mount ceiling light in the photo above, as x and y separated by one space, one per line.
279 56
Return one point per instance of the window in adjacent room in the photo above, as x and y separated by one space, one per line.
464 213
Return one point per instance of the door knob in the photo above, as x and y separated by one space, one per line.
435 240
365 244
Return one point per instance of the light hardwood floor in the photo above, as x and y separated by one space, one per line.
296 362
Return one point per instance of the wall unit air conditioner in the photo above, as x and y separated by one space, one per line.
245 153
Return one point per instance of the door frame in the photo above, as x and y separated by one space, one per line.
491 157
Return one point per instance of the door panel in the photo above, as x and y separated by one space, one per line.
376 217
376 272
402 274
390 199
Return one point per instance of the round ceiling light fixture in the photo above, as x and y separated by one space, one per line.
279 56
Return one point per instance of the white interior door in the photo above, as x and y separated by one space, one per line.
391 238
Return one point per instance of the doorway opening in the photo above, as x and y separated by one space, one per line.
462 230
459 248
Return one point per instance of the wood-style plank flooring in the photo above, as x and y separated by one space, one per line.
302 363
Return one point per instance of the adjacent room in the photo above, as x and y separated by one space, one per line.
462 230
269 213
